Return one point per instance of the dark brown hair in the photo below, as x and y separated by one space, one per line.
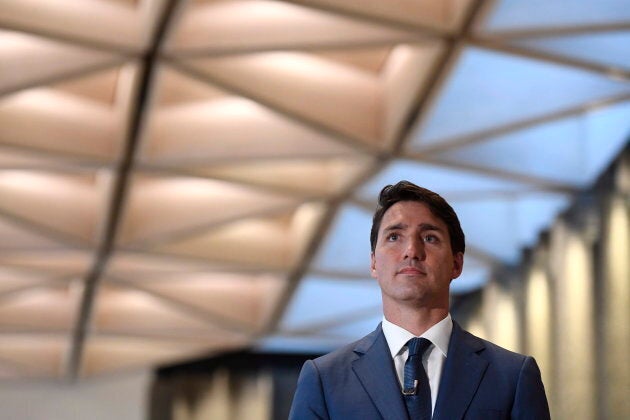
407 191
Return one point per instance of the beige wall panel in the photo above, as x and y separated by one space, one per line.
616 306
538 318
575 358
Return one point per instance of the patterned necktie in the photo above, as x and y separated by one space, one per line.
416 389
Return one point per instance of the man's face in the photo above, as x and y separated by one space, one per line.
413 260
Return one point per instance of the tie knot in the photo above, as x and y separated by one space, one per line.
417 346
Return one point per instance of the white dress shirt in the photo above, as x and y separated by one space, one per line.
432 360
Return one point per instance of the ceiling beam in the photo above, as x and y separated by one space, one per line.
553 31
216 52
440 73
83 42
61 77
63 238
119 191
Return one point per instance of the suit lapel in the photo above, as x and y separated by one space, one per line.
376 372
461 376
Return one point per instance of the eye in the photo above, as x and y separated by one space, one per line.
431 239
392 237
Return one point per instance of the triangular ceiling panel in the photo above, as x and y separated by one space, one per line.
14 280
346 249
63 262
571 150
89 21
243 299
33 356
536 14
40 309
501 227
266 243
160 206
608 48
473 102
52 121
305 84
143 266
299 176
231 128
263 24
28 60
451 182
124 310
66 205
345 300
442 15
17 236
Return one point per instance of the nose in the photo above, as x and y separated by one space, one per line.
415 249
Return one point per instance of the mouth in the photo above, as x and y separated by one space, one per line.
412 271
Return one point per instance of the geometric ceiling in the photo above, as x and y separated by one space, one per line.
179 178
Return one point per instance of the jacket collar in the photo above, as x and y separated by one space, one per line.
462 374
375 369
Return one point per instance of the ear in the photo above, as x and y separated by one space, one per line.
458 264
372 265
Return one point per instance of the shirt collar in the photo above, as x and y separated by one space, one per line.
439 334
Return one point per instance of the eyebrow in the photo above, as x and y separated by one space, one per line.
423 227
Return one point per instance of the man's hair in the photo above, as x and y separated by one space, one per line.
407 191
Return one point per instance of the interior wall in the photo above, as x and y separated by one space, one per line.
120 397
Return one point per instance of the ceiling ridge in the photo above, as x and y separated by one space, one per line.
554 31
121 185
82 42
57 78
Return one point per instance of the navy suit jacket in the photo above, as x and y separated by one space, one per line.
480 380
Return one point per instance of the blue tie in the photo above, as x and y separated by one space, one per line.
416 389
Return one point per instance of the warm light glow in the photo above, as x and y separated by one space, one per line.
538 320
576 325
501 316
13 44
616 307
507 326
476 327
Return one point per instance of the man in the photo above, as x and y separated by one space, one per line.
417 249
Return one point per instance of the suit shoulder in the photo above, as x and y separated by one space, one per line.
495 352
344 356
336 357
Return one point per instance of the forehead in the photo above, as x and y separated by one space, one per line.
411 213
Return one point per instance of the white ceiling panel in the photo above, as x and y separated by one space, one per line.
474 100
450 182
609 48
346 249
320 301
509 15
571 150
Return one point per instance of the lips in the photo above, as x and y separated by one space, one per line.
411 270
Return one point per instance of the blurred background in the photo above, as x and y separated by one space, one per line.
186 192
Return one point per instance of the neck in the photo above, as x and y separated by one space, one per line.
415 320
